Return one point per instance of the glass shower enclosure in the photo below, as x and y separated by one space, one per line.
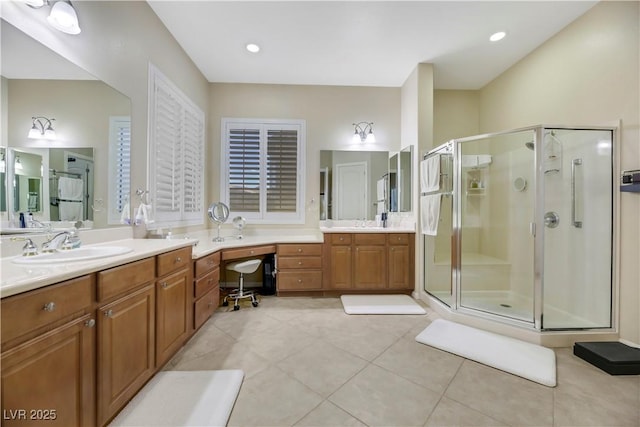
525 227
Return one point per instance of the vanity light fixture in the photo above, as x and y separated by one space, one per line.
363 132
63 16
41 127
2 163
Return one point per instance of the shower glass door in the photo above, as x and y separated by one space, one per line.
576 173
494 224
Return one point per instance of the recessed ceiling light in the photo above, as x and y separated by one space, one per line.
497 36
253 48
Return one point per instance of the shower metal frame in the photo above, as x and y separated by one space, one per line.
538 220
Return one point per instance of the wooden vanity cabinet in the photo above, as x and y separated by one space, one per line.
174 303
48 356
126 335
341 264
369 262
400 253
299 267
206 289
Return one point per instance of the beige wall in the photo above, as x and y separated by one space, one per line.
329 112
456 114
586 74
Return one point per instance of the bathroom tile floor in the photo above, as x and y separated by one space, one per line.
307 363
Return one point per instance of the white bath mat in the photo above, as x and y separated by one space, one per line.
530 361
183 398
380 304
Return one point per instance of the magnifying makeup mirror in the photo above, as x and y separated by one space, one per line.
218 213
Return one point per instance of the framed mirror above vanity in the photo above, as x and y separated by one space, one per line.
81 174
358 185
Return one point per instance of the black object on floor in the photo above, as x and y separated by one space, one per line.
613 357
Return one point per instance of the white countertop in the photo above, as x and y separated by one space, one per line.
17 278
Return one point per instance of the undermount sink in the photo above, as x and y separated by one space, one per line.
80 254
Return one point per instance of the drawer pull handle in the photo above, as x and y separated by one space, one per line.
299 249
178 259
252 252
299 280
108 313
164 285
210 262
90 323
299 262
50 306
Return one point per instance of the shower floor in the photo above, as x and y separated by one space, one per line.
514 306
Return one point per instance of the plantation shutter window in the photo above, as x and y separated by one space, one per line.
282 167
176 150
119 169
244 170
262 165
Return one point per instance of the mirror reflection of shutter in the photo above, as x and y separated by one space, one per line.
244 170
282 170
167 153
120 166
193 165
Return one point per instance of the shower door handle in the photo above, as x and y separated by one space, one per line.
574 221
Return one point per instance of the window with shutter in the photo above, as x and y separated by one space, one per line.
176 150
119 169
262 164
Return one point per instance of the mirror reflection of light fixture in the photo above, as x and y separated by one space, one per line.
18 163
41 127
2 166
363 132
63 16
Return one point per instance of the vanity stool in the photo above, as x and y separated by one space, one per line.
242 267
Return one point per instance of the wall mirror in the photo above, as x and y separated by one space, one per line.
90 154
353 184
400 180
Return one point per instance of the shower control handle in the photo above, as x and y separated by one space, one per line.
551 219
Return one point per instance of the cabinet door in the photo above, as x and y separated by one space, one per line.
126 343
341 267
172 314
399 267
370 267
49 380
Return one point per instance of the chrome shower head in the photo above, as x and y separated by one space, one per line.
529 145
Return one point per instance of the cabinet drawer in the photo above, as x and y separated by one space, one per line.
341 239
299 280
398 239
205 306
174 260
248 252
299 262
32 310
206 264
309 249
206 283
371 239
118 280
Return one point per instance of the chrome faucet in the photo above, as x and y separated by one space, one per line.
63 240
37 224
29 247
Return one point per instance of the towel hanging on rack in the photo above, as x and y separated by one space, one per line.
430 174
430 213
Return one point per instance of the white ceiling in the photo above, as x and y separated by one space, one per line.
361 43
